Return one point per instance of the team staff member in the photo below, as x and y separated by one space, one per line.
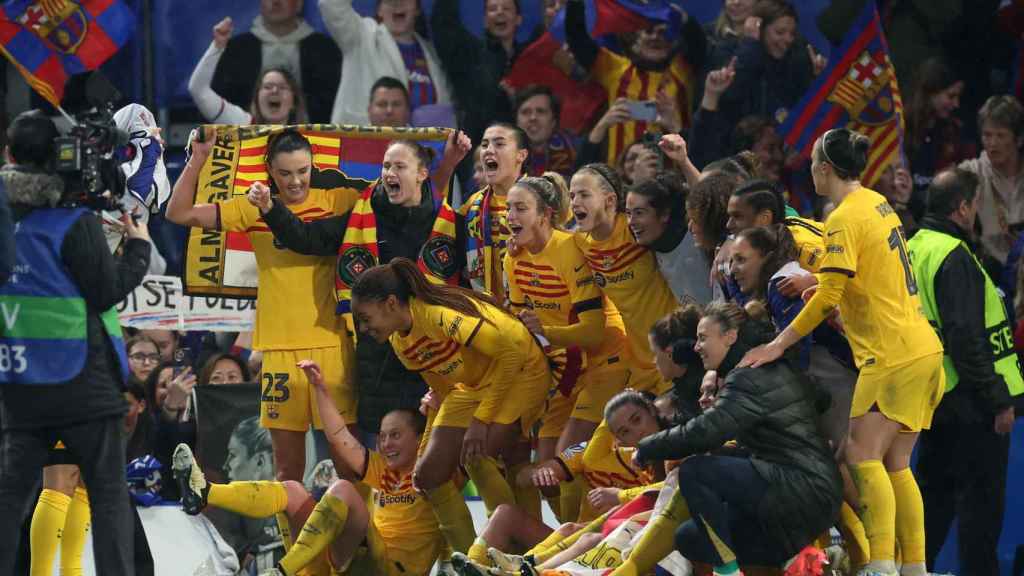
866 272
471 353
963 458
295 317
626 271
400 529
553 291
63 365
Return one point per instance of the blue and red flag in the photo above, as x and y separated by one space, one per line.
51 40
856 90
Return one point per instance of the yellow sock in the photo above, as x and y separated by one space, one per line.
490 483
853 533
909 516
76 526
453 519
252 499
558 543
878 511
478 552
571 499
658 539
526 497
322 527
46 530
284 526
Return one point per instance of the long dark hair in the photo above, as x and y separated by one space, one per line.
932 77
666 193
708 204
298 113
777 247
402 279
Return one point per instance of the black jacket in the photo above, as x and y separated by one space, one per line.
475 67
770 411
764 85
960 300
7 254
104 281
383 382
319 58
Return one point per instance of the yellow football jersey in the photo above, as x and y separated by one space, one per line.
403 517
810 241
606 466
628 274
455 349
880 308
295 302
558 286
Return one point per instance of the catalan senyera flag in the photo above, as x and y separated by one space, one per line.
223 263
51 40
857 90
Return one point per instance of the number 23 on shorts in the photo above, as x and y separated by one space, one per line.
275 387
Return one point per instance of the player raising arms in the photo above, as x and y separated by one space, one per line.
866 273
400 530
626 271
295 308
476 357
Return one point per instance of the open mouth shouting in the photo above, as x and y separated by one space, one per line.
490 168
393 188
581 216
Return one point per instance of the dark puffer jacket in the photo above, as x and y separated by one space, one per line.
383 382
771 412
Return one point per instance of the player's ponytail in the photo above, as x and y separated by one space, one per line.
845 150
402 279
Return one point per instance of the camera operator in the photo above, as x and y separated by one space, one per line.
62 359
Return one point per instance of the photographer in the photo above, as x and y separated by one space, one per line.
62 359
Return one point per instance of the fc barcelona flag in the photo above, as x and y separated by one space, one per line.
50 40
857 90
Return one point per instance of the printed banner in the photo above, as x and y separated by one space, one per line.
158 303
224 264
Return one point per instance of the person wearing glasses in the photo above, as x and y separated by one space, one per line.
143 356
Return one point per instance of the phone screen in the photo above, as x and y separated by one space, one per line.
642 110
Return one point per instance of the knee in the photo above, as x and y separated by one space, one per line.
502 511
588 541
61 478
295 490
345 491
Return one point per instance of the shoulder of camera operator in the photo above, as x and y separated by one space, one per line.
32 184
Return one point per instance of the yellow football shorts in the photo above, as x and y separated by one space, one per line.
288 402
906 393
594 389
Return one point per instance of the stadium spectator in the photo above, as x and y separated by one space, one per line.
166 341
389 103
725 32
1000 176
279 39
393 44
224 368
143 356
537 113
933 139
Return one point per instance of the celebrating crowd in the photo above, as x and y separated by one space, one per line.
649 313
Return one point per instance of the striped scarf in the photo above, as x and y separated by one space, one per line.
480 244
359 251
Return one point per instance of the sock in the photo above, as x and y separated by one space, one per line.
478 552
490 483
853 534
558 543
76 526
252 499
878 512
323 525
727 569
46 530
658 540
526 497
571 499
284 526
909 521
453 517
